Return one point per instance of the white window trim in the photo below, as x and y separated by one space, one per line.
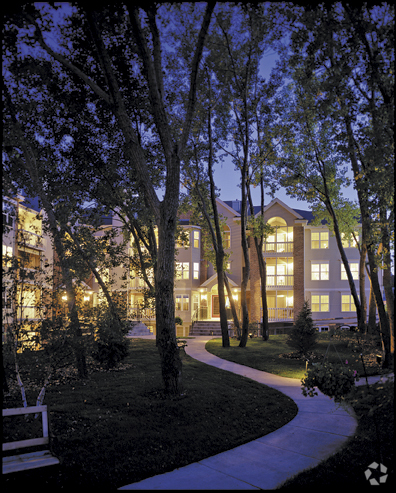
320 263
320 302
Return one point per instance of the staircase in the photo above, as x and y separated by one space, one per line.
208 328
138 329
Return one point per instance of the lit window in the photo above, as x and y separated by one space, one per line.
186 302
320 272
354 267
196 270
320 303
226 238
320 239
7 254
182 270
178 302
351 243
347 303
196 239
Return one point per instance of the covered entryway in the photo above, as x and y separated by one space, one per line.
208 307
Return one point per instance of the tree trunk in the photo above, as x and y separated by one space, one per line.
171 365
351 282
246 269
372 315
222 305
387 280
232 304
78 343
383 318
362 283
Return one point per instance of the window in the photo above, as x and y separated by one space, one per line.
7 214
279 271
30 259
320 272
281 240
228 266
182 270
196 239
226 237
351 243
347 303
320 303
320 239
182 302
104 274
7 254
196 270
354 271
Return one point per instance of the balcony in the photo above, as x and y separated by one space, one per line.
280 280
276 314
278 247
31 240
28 313
137 284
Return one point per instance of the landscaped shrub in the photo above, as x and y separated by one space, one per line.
303 337
110 346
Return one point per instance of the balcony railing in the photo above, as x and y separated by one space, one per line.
273 281
32 240
276 314
28 313
137 312
138 284
276 247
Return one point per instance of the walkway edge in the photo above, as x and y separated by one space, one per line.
319 430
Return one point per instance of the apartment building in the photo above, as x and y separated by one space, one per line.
24 240
303 263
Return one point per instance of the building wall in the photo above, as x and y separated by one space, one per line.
299 267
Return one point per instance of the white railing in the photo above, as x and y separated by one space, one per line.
275 247
31 239
28 313
280 281
137 283
276 314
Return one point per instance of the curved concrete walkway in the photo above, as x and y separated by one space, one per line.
318 430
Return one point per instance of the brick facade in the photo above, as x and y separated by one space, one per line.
298 261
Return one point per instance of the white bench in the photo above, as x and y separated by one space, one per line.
30 460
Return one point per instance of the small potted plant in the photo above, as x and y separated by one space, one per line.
333 380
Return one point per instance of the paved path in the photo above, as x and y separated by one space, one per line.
318 430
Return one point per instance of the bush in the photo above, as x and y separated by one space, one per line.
110 346
303 336
334 380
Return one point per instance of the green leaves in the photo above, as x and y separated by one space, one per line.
334 380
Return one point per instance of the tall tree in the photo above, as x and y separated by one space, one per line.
101 54
245 45
351 50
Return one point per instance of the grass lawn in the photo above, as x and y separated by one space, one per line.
116 427
269 355
374 408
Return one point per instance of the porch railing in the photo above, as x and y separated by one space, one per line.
279 314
